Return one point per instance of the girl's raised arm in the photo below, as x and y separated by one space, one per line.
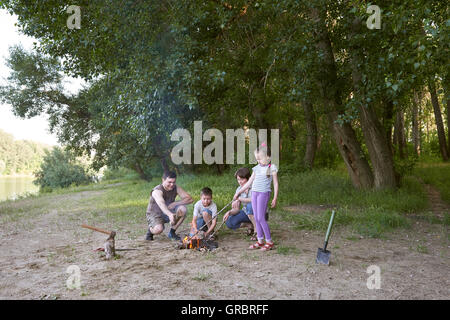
275 189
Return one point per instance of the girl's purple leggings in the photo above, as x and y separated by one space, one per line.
260 201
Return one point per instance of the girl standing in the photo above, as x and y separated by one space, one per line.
260 181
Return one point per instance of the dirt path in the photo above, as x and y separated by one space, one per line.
36 251
438 207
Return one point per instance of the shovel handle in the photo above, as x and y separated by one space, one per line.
329 229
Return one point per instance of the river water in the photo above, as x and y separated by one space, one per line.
12 187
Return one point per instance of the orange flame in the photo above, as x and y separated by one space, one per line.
189 243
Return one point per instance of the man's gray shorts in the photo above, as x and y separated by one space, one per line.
153 219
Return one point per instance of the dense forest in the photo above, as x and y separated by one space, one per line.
20 156
374 98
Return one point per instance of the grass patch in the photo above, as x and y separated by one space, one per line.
422 249
430 217
287 250
353 237
333 187
436 174
370 223
119 174
447 219
122 204
369 213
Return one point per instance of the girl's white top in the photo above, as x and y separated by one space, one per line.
262 182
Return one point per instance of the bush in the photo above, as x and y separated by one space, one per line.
119 173
405 167
60 169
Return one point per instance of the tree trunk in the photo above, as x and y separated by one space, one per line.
164 164
162 151
351 151
395 135
446 86
448 124
388 121
344 135
311 134
400 134
259 112
220 168
379 151
141 172
292 132
415 123
439 122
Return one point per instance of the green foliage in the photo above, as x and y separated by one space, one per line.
436 174
405 166
332 187
39 80
287 250
119 173
60 169
447 219
19 156
153 66
371 222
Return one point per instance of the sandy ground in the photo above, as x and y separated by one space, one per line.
35 255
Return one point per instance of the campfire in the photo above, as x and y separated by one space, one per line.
197 244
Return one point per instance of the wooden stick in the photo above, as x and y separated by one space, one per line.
96 229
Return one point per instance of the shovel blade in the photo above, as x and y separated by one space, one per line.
323 256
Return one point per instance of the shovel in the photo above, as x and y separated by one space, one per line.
323 255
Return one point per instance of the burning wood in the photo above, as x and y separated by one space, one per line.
197 244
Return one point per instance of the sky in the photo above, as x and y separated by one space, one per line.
35 129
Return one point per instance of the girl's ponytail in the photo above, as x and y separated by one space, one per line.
268 170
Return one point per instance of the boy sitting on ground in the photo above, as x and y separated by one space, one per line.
205 211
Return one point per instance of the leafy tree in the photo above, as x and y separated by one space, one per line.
260 64
135 101
19 157
60 168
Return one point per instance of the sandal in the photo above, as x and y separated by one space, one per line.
256 245
254 237
267 246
